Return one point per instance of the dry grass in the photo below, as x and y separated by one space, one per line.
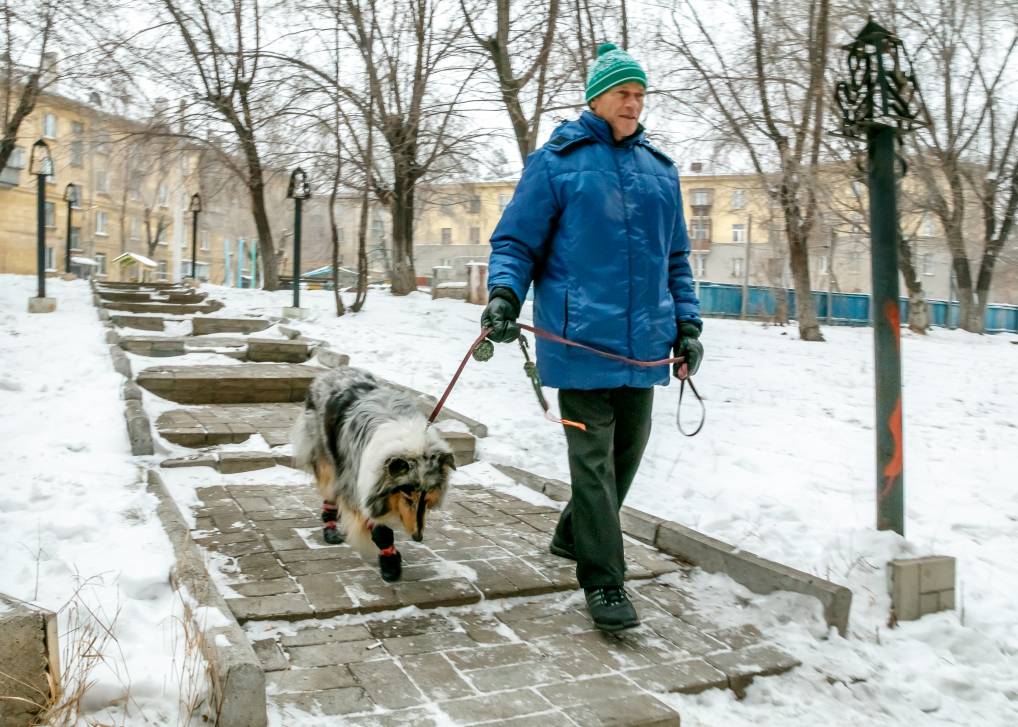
198 679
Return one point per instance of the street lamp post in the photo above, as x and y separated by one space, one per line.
299 190
41 165
195 210
72 197
879 103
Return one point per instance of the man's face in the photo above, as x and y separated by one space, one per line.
621 107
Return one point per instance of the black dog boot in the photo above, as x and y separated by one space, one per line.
330 532
390 560
610 608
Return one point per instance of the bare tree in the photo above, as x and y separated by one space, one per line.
769 97
507 43
217 64
966 156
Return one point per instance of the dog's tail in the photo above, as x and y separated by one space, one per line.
302 438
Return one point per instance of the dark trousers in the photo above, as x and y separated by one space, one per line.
602 464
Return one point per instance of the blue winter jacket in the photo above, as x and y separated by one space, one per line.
598 227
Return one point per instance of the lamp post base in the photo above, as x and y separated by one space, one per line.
42 305
296 313
68 276
191 282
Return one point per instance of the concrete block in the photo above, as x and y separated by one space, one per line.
28 653
121 364
330 358
919 586
232 462
296 314
112 337
42 305
290 333
477 283
130 390
139 431
640 525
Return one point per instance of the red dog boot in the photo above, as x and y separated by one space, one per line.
331 533
390 561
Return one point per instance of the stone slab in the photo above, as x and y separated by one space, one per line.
42 305
222 384
29 660
202 325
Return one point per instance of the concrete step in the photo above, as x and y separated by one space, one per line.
125 296
137 286
214 424
278 350
205 325
167 308
139 323
240 384
228 463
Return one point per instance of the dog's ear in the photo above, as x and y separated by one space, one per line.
397 466
447 460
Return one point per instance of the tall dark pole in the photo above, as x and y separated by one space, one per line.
67 256
886 329
296 252
40 253
194 244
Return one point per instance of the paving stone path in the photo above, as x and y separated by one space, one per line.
486 626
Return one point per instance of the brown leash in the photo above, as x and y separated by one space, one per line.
482 353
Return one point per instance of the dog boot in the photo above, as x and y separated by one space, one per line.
330 531
390 560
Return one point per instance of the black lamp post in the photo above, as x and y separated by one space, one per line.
195 209
72 197
41 165
299 190
879 103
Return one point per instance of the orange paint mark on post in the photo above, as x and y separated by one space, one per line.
893 316
894 468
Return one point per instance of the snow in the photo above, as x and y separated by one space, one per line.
77 527
783 468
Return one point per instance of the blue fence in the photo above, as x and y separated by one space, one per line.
847 309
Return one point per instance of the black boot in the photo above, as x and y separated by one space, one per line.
331 532
390 560
610 608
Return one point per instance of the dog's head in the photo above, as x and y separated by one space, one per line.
411 486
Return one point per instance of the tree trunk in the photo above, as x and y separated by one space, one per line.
362 254
963 281
918 311
340 309
266 250
404 278
805 313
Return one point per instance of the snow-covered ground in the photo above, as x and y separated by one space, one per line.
78 533
784 468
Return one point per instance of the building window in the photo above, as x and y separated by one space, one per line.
49 126
161 273
164 195
51 214
855 218
701 197
738 199
738 233
475 204
77 128
49 258
503 202
699 228
699 265
822 265
446 235
77 153
100 258
204 241
377 229
928 263
737 271
135 228
201 270
102 182
15 162
475 235
75 238
928 228
100 223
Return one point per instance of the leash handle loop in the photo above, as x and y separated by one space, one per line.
678 409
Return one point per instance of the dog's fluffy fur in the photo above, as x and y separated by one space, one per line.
372 454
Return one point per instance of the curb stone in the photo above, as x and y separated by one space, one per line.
238 680
139 431
121 364
714 556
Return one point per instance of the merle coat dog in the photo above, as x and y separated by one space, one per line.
376 462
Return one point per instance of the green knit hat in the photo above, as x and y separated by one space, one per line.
612 68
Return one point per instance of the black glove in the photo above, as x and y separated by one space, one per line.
500 315
689 347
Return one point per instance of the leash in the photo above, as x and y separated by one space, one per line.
482 350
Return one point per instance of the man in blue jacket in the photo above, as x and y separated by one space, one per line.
597 225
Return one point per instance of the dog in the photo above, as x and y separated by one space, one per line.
376 462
